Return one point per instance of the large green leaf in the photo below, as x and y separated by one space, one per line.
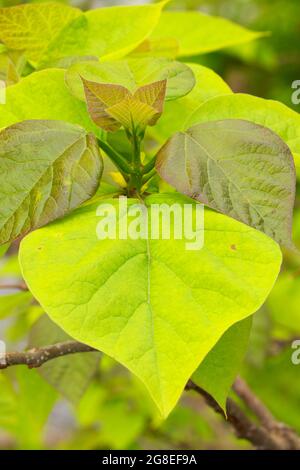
197 33
152 47
153 305
132 74
47 168
108 33
236 167
220 367
69 374
44 95
278 117
31 28
208 85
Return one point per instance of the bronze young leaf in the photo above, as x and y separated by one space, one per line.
100 97
112 106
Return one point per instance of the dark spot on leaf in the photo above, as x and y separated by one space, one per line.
233 247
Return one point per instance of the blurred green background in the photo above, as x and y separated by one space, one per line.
112 410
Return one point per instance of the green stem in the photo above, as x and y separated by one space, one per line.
149 166
135 182
136 144
117 158
148 176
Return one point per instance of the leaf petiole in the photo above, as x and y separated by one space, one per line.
116 157
149 166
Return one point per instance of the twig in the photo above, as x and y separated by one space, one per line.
278 345
254 404
38 356
268 434
243 426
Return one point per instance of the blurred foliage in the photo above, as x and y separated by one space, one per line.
264 68
114 412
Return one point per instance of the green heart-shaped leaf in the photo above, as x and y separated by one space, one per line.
47 168
151 304
132 74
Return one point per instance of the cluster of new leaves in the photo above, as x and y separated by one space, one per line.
108 78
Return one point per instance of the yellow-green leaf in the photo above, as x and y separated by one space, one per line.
108 33
44 95
198 33
31 27
151 304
